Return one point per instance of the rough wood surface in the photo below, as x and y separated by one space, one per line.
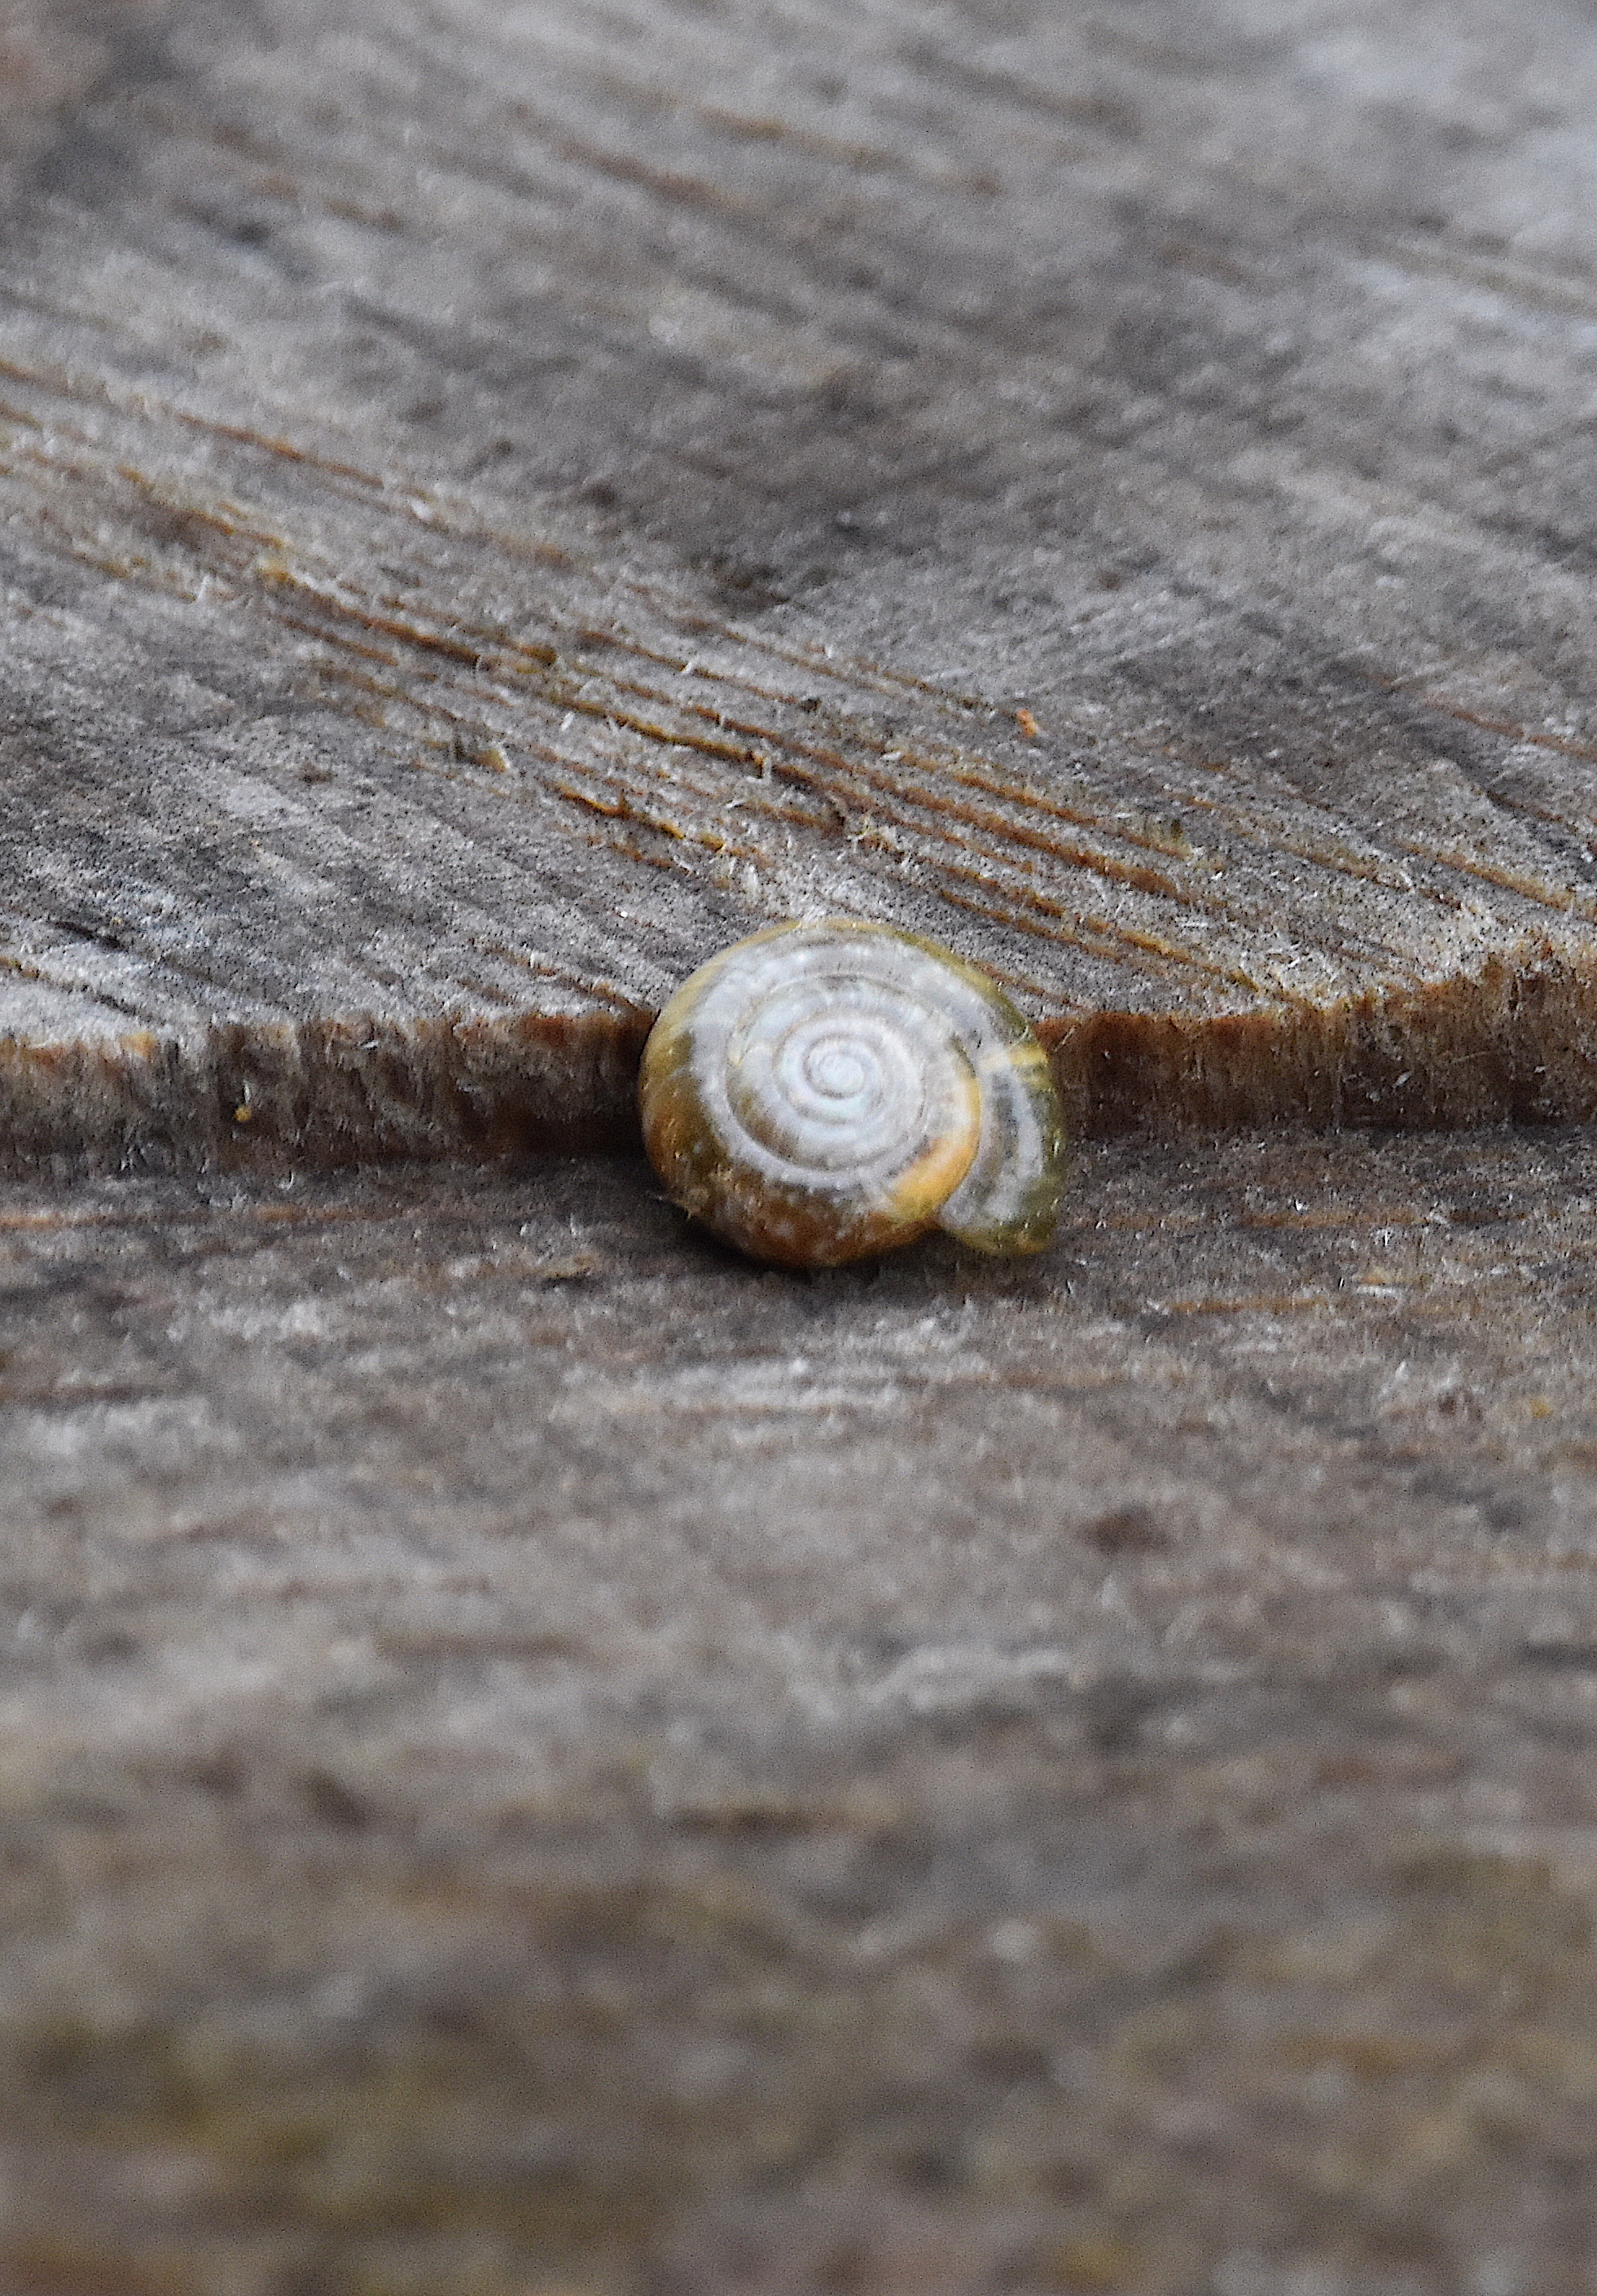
498 500
538 1758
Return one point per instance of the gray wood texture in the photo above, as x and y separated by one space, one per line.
540 1757
537 1759
498 500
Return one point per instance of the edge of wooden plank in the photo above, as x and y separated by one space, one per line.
1516 1043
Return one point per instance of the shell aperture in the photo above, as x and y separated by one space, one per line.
821 1092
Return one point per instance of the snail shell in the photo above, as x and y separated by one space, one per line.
819 1091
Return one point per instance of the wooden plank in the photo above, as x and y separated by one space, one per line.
536 1755
499 500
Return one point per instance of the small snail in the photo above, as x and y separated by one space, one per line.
820 1092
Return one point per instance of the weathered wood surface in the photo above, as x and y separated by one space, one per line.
537 1761
537 1757
498 500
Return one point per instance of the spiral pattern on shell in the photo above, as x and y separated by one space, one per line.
820 1092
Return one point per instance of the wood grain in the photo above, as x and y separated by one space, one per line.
537 1756
497 501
